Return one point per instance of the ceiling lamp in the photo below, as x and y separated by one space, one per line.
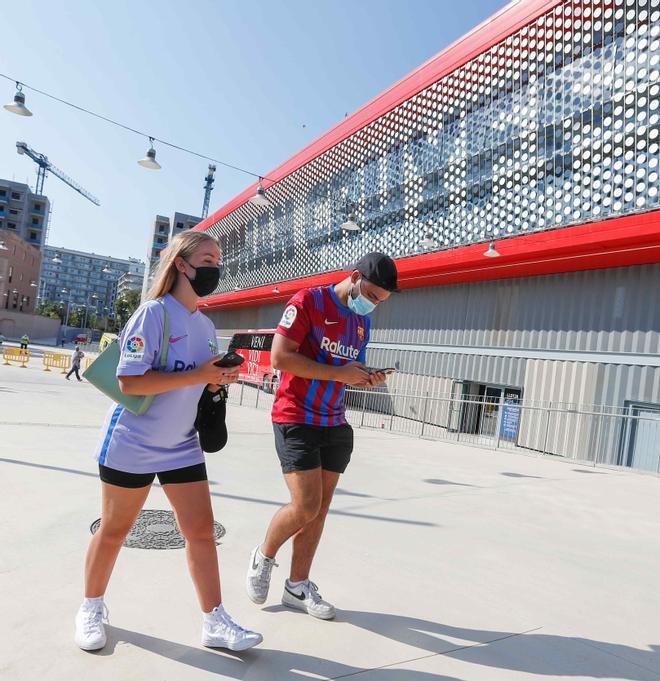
149 161
260 199
18 105
350 225
492 252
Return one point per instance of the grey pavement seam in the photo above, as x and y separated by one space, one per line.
618 657
446 652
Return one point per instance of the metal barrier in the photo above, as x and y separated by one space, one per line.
598 436
18 355
88 361
56 360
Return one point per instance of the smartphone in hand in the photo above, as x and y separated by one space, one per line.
231 359
388 370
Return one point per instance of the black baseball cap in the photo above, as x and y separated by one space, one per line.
379 269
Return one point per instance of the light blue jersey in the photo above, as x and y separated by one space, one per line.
164 437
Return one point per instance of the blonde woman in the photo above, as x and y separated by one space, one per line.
133 450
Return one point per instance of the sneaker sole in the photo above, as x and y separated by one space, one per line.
232 646
257 601
87 647
303 608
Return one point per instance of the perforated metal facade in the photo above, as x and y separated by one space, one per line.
555 125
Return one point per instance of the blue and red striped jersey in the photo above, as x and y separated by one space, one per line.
329 333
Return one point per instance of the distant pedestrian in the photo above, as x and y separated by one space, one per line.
78 354
25 339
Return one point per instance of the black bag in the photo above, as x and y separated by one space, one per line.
210 421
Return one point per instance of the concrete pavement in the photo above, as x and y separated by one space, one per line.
445 562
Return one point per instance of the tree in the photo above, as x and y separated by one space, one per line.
76 316
125 306
51 309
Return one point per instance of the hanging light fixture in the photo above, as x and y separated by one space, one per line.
149 161
492 252
33 283
3 246
18 105
260 199
350 225
428 241
57 260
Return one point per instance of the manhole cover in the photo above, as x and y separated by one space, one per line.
156 529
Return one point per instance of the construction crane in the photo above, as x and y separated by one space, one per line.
44 166
208 188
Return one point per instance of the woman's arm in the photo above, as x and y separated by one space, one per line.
157 382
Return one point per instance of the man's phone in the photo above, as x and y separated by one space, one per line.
231 359
388 370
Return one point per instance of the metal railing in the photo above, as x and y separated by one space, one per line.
595 434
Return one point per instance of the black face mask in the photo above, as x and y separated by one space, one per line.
205 281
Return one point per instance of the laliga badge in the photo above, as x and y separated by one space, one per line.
289 316
134 349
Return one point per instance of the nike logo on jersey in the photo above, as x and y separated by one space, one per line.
327 322
174 339
300 597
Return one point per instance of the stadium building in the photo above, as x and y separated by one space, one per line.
514 178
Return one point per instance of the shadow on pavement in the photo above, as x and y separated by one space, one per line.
536 653
438 481
254 500
522 475
275 665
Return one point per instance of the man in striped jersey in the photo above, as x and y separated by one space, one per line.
320 347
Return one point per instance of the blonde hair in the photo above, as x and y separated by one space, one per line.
183 245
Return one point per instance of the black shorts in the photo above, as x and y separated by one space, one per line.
133 480
302 448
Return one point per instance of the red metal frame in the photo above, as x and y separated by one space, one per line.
618 242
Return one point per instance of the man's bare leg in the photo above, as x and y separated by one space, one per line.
306 489
306 540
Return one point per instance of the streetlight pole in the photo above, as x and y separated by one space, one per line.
87 303
68 308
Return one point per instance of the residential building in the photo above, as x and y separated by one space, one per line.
19 272
82 278
159 236
131 280
23 212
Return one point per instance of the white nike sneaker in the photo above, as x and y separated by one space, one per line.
90 632
220 631
258 576
306 597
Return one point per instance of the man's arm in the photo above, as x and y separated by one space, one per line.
285 357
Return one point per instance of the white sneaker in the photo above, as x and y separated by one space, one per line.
220 631
306 597
90 632
258 576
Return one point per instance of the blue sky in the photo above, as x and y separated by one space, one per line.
249 83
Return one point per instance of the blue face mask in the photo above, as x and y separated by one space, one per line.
360 305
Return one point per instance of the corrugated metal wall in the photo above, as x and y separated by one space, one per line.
615 310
